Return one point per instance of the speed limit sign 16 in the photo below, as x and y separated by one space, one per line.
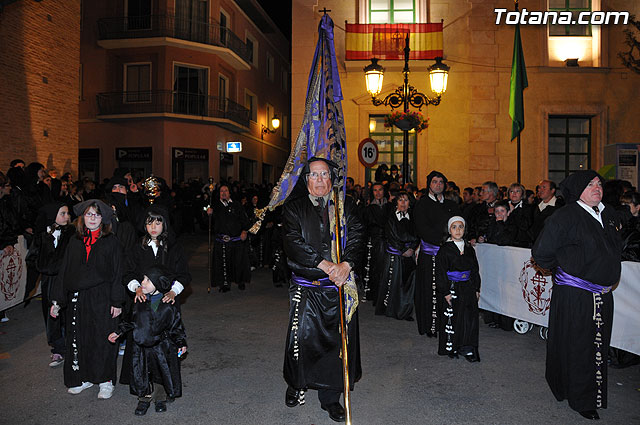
368 152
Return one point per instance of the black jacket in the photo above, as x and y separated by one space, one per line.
307 242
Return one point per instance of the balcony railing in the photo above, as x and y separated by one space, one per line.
175 27
167 101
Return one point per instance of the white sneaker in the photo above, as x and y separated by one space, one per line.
56 360
81 388
106 390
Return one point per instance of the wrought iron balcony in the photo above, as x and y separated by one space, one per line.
138 31
159 103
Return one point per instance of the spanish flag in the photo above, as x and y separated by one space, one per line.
387 41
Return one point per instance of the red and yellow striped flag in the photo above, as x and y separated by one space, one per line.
386 41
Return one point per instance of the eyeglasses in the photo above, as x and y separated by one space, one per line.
315 176
92 215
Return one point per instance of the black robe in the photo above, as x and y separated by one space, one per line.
88 289
374 218
156 338
48 259
230 259
313 340
465 319
521 219
575 241
395 293
430 218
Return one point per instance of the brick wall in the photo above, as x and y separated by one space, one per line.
39 84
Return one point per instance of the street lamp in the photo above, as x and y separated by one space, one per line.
275 123
406 95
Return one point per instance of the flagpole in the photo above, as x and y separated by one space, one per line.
519 160
343 327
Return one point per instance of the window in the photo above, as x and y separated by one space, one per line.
575 7
392 11
137 82
270 114
284 80
270 66
191 20
190 90
223 92
284 125
569 145
224 25
252 46
390 144
251 104
138 14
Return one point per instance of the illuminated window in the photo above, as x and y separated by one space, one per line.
392 11
575 7
390 143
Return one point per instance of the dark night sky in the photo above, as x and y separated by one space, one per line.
280 12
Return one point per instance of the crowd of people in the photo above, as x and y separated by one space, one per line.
116 272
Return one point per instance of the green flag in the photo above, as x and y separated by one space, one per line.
518 84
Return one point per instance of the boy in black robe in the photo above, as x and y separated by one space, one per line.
159 340
581 243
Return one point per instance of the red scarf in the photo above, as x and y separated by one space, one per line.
90 238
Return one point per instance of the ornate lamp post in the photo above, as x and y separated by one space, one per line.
406 95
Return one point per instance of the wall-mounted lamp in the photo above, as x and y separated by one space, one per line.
275 123
372 126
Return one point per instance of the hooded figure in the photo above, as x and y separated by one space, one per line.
581 243
45 255
157 333
313 341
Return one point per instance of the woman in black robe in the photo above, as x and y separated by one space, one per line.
374 218
158 247
581 243
458 286
89 286
395 293
46 252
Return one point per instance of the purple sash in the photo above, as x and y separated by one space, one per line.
325 282
392 250
564 278
227 238
428 248
463 276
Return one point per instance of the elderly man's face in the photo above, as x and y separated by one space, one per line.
224 193
319 179
592 194
487 194
544 191
436 186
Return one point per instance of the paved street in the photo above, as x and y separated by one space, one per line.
233 373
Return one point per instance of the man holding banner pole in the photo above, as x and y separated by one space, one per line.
313 347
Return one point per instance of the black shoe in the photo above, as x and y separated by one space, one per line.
472 358
409 319
335 410
142 408
292 397
224 288
590 414
161 406
241 286
431 334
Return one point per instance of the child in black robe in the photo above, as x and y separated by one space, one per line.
458 286
159 340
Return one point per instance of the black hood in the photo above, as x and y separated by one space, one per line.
105 210
160 276
433 174
300 189
573 186
47 215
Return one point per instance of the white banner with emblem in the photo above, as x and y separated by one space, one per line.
511 286
13 275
